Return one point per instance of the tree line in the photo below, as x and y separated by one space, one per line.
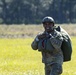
33 11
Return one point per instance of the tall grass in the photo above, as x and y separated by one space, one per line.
23 31
18 58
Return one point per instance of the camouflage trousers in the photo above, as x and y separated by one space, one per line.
54 69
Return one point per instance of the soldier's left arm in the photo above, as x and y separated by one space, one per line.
56 41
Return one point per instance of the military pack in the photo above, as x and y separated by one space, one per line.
66 45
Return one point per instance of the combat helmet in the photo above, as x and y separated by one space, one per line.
48 19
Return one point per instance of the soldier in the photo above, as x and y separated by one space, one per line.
49 44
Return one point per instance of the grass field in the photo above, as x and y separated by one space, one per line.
17 58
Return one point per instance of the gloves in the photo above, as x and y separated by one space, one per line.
41 36
50 36
37 39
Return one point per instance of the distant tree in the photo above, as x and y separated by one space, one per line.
37 10
32 11
15 8
5 13
21 11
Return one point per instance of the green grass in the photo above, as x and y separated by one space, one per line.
18 58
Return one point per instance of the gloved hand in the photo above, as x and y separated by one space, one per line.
40 36
49 36
37 39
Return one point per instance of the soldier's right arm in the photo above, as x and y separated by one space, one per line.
34 44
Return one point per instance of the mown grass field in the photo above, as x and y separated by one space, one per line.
17 56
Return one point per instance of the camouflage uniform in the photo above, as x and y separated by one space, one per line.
50 47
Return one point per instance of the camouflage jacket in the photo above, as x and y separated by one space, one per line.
50 47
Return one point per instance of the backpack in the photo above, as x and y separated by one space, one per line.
66 44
